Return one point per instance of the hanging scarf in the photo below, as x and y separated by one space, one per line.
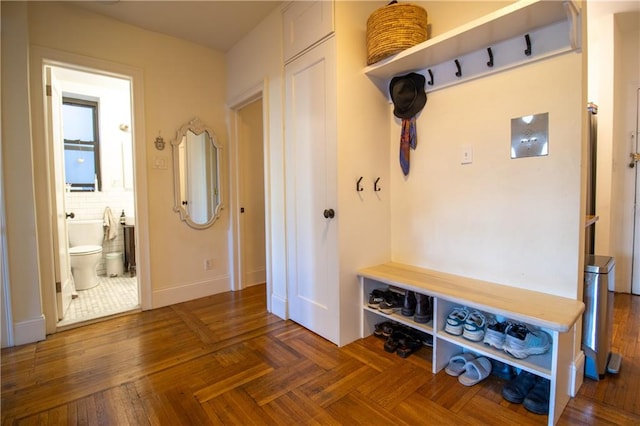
408 141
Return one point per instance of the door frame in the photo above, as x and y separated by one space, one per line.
41 57
256 92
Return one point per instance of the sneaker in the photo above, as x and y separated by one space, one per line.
522 341
392 303
376 297
456 320
537 400
496 332
517 389
473 328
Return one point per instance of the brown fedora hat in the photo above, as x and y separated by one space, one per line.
407 94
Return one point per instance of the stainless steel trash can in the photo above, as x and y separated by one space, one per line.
599 283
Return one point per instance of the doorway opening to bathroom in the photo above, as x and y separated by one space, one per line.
89 122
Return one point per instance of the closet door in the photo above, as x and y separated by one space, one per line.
312 216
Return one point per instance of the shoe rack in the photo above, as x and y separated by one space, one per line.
555 315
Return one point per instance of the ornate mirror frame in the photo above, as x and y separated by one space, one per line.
214 193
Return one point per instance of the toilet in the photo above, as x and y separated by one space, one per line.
85 251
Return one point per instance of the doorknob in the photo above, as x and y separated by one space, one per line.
71 215
329 214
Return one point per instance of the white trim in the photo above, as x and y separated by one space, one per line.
189 291
51 57
29 331
577 374
7 314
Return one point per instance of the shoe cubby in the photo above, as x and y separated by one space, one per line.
372 316
539 365
554 315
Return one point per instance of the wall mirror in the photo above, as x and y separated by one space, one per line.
196 170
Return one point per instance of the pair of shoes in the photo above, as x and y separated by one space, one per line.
386 301
469 369
470 325
530 390
518 340
384 329
523 340
418 305
403 342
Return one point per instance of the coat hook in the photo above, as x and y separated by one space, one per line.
375 185
430 82
490 63
459 72
527 39
358 187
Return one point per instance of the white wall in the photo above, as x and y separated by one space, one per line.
515 222
18 181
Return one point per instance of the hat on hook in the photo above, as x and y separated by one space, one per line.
407 94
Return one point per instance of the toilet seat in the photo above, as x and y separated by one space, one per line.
84 250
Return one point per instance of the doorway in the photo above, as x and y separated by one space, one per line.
250 236
89 123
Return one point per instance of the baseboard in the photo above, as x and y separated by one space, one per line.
577 374
29 331
191 291
255 277
279 306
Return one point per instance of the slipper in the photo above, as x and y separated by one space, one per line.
457 363
475 371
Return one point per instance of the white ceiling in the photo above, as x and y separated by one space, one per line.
214 23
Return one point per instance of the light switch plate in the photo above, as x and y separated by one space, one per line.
530 136
467 155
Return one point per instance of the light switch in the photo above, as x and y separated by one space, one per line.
467 155
160 163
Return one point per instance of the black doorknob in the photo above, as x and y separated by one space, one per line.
71 215
329 214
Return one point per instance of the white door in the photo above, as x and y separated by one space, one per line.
64 280
311 192
635 275
251 195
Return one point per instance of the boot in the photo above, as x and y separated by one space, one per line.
409 306
423 308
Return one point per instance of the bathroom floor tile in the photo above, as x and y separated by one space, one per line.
111 296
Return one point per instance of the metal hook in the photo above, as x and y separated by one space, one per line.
527 39
490 63
430 82
375 185
358 187
459 72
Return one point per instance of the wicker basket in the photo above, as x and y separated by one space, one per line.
394 28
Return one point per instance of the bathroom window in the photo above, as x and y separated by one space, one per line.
81 144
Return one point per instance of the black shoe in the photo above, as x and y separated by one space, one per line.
408 344
423 309
537 400
392 302
502 370
382 329
392 342
376 297
517 389
409 306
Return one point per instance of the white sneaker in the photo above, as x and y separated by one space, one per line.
522 341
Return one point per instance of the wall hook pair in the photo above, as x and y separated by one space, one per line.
359 187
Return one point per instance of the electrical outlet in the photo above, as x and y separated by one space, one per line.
207 264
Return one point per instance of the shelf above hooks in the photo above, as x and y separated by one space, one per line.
552 28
